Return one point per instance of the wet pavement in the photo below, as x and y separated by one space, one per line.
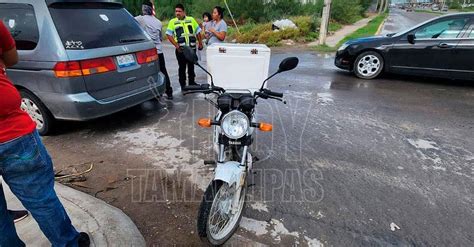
350 162
401 20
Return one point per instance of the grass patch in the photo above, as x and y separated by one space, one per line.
369 30
263 33
334 26
469 9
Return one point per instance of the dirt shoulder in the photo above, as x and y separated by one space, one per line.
150 196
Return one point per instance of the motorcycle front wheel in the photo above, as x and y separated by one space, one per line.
216 221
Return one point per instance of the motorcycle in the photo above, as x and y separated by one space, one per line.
234 125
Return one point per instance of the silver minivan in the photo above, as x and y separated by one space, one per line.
79 60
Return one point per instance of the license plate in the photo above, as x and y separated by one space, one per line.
126 61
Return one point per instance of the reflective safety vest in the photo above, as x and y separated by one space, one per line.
184 31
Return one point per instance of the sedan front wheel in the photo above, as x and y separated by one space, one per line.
368 65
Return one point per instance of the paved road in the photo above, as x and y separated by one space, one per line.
400 20
350 162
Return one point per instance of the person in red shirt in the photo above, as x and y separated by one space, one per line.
26 166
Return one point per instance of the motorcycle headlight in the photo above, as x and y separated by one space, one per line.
235 124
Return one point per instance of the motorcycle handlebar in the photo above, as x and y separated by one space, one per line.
197 87
274 94
267 96
262 95
202 88
207 89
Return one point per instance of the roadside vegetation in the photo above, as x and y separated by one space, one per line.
263 33
255 17
458 5
369 30
453 5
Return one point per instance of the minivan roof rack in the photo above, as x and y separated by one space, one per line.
49 2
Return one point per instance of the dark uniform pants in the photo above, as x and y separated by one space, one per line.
161 61
183 63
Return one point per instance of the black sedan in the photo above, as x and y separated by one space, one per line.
442 47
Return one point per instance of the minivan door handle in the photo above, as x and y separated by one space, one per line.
444 46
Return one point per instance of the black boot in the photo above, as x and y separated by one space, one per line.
18 215
83 240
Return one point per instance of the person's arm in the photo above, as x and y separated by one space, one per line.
7 44
219 35
170 33
199 37
222 32
10 57
172 41
160 30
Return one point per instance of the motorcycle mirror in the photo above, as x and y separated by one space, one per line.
411 38
288 64
190 54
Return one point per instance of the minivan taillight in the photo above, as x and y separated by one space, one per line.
147 56
85 67
97 66
67 69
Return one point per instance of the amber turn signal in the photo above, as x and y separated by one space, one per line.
205 122
266 127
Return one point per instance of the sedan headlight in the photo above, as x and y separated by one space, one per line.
235 124
343 47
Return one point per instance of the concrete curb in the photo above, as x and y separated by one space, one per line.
106 225
341 34
379 30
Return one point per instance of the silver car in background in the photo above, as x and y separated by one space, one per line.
79 60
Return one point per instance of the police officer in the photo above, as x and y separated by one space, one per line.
184 31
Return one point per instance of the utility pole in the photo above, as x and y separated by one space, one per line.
325 22
382 5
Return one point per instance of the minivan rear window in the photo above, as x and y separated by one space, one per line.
20 20
95 25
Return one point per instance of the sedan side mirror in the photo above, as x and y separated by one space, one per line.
190 54
411 38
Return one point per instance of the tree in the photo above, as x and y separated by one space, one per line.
345 11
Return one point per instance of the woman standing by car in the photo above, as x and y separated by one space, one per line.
218 28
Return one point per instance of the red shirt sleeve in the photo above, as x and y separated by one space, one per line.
6 40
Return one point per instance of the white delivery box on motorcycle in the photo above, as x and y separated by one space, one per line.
238 66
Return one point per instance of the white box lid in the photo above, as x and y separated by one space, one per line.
238 66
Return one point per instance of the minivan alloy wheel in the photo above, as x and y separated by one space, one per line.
32 109
369 65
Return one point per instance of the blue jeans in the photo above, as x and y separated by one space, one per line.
26 167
